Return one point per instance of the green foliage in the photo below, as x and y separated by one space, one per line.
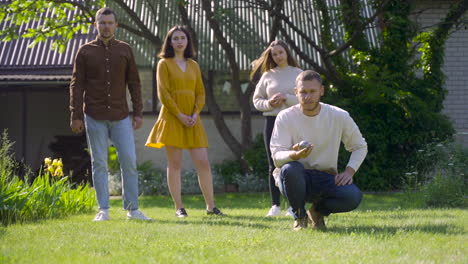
397 110
58 24
45 197
257 157
152 180
228 169
446 191
439 173
149 178
113 164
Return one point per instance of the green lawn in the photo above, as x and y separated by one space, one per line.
385 229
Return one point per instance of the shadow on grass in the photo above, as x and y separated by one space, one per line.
403 214
392 230
225 221
384 201
223 200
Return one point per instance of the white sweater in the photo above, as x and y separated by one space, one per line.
325 131
276 80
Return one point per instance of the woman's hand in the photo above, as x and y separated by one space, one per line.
277 100
186 120
194 118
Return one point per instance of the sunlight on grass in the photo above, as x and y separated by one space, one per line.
385 229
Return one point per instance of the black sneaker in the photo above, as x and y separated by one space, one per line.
215 211
181 212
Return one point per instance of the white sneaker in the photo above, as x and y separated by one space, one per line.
274 211
138 215
103 215
289 212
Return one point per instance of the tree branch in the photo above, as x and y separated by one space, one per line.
277 6
82 7
358 31
144 29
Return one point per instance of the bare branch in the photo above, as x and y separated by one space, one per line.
301 33
356 33
277 6
152 7
144 29
82 7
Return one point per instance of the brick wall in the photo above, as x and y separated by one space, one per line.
455 67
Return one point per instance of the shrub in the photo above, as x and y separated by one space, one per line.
228 170
149 178
152 180
446 191
256 157
439 173
251 183
46 197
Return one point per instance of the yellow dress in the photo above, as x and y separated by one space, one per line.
179 92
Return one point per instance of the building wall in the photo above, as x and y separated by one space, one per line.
11 117
48 116
217 150
455 67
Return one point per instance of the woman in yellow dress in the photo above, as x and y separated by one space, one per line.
182 94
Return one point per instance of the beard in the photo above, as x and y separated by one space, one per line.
311 109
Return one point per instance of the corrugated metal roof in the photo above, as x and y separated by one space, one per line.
30 77
246 28
17 58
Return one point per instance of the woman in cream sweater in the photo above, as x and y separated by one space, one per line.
274 92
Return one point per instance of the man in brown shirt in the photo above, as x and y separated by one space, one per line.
102 71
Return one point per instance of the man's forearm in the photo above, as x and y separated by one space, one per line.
282 157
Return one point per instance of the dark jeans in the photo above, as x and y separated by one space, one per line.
267 130
300 186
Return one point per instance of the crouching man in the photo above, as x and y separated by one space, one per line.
305 144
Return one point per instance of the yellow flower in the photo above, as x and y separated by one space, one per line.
58 172
59 163
55 162
51 169
47 161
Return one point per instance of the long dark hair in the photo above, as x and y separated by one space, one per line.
265 62
167 51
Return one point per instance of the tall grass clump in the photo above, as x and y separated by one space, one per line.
49 195
440 175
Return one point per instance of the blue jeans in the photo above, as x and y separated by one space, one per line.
300 186
121 134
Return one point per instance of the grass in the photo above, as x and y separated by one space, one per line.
385 229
